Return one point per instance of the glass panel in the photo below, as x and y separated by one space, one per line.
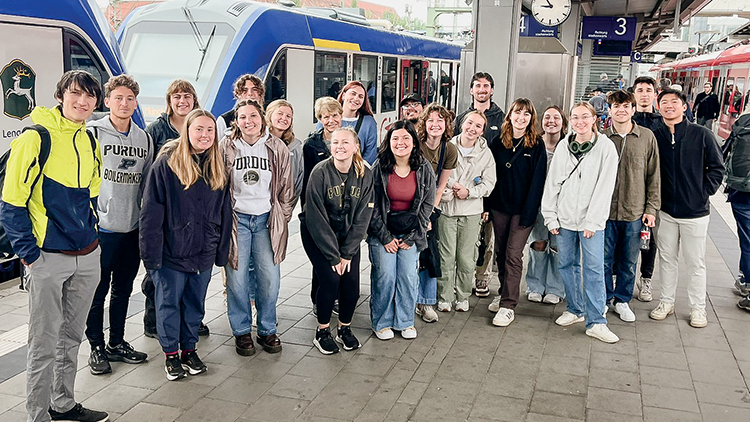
276 80
80 58
432 82
737 103
446 85
366 71
330 74
728 96
388 88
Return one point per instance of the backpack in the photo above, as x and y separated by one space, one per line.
737 161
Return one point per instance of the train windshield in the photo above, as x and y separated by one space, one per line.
156 53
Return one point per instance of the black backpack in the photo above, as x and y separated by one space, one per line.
737 155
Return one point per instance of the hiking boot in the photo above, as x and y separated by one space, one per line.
243 345
79 413
98 363
173 368
270 343
347 339
124 352
192 363
427 312
324 341
482 288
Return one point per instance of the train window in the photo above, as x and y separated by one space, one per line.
432 82
737 98
78 56
446 85
330 74
728 96
366 71
388 88
276 79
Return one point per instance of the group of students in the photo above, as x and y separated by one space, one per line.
193 192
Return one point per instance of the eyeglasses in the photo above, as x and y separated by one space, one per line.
410 105
584 117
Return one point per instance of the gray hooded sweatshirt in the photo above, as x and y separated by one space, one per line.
126 160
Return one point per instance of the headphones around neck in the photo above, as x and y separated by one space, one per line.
576 147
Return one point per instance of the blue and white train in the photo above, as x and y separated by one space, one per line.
41 39
300 54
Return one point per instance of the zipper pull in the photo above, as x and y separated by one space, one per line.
673 139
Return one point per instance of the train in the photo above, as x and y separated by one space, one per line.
300 54
42 39
727 70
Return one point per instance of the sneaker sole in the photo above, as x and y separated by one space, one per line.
174 377
699 324
747 308
322 350
479 293
192 371
502 323
106 371
650 315
645 299
603 339
343 345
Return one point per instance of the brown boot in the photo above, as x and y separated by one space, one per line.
270 343
244 344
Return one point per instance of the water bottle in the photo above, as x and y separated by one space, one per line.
477 180
645 237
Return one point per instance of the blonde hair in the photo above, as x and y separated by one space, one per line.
327 105
181 160
288 135
590 108
357 160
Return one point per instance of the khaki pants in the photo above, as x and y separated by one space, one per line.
458 256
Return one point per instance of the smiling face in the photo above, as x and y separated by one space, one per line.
182 103
202 133
343 145
330 121
281 119
520 119
249 121
473 127
411 110
672 108
250 92
401 143
552 122
121 102
622 113
435 125
353 98
481 90
644 95
77 104
582 121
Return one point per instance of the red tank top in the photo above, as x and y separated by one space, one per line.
401 190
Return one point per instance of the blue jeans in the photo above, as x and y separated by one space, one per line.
427 292
253 240
571 245
622 245
394 281
742 216
543 275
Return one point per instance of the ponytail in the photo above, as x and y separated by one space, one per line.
359 164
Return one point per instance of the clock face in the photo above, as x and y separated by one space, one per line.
550 12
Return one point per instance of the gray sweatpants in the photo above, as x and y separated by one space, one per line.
61 289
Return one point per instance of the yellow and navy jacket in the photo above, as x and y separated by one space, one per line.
60 213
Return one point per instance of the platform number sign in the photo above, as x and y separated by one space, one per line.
611 28
550 12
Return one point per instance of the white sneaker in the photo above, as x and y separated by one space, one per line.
568 318
602 332
462 306
535 297
427 312
606 310
409 333
384 334
698 318
644 290
444 307
626 314
495 305
662 311
551 299
504 317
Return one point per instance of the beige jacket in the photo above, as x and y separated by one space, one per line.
478 163
282 195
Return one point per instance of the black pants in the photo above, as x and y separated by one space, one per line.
648 258
149 313
120 259
330 285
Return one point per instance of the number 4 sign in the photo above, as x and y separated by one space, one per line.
608 28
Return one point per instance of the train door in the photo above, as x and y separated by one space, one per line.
447 85
413 76
296 85
365 70
434 86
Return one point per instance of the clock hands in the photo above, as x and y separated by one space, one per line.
548 5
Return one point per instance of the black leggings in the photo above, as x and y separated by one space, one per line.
330 285
648 258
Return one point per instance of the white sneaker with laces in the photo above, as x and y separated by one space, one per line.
535 297
427 312
568 318
495 305
462 306
444 307
644 290
384 334
551 299
504 317
409 333
623 310
698 318
602 332
662 311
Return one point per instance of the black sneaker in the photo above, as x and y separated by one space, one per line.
124 352
98 363
79 413
347 339
193 363
203 330
324 341
336 307
744 303
174 368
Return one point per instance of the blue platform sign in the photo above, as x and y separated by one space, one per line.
609 28
532 28
636 57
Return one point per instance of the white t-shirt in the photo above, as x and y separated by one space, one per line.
465 151
252 178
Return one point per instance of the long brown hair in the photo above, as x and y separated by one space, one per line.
288 135
564 129
181 160
443 113
357 160
365 107
531 134
236 133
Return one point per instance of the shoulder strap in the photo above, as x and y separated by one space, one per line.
441 161
509 164
359 122
44 149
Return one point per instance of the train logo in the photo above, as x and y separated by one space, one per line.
18 80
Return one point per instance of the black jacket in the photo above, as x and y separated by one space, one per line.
314 151
185 230
495 117
424 201
691 169
647 119
518 190
161 131
706 106
339 224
